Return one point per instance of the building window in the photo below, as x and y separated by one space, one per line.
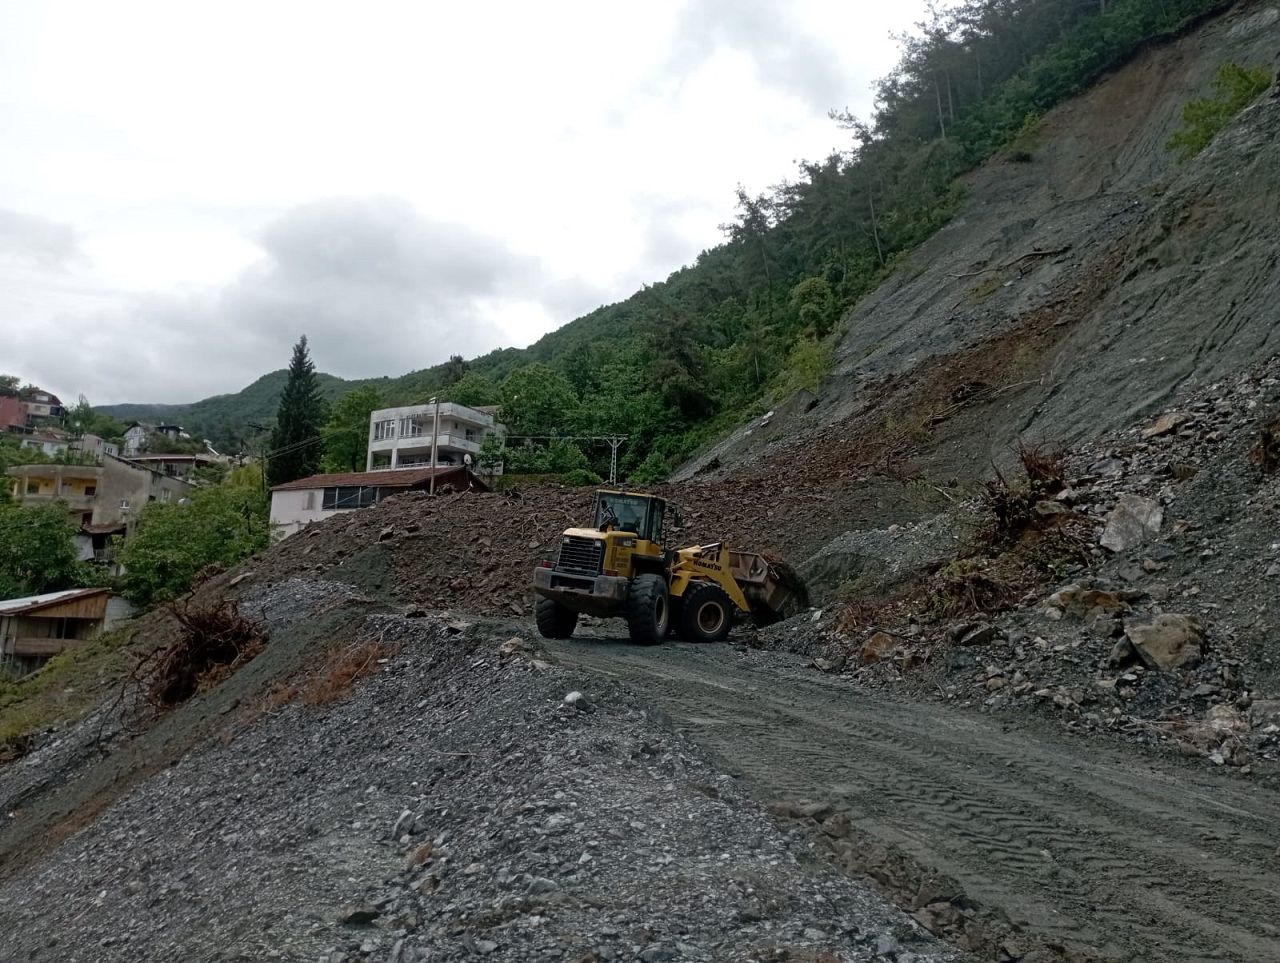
90 491
33 488
311 501
382 430
348 496
410 428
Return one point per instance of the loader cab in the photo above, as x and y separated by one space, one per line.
640 515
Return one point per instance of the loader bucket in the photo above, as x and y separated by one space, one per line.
772 587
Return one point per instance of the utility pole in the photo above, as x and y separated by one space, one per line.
435 440
614 445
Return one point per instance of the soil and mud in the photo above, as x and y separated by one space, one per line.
1104 852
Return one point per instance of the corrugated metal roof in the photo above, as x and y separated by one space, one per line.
32 602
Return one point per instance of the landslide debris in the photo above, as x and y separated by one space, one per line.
1163 631
468 799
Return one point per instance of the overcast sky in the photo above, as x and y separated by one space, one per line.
185 188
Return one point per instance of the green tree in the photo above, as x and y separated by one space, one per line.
1237 87
174 541
296 448
453 370
492 457
346 442
37 550
473 390
9 384
815 305
537 400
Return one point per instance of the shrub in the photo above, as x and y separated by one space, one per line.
1203 118
173 542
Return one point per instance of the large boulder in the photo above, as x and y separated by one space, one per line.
1134 520
1169 642
872 562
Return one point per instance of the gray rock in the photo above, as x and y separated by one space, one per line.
361 914
404 824
1133 521
540 884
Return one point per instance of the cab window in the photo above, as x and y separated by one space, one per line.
630 513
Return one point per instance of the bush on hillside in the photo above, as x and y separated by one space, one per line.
1237 87
37 551
173 542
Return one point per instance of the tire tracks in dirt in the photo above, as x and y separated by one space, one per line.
1078 843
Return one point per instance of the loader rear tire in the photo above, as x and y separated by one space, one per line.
648 609
706 613
554 620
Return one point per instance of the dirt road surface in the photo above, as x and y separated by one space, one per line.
1077 841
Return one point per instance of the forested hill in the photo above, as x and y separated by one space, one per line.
756 317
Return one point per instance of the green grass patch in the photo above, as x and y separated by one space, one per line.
66 687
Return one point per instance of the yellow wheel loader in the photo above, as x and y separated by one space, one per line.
620 568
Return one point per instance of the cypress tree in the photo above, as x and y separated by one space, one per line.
296 449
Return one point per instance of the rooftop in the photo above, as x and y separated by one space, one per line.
34 602
383 478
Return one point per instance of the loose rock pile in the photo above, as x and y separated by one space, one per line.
470 800
1167 633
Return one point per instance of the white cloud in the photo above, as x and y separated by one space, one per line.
402 181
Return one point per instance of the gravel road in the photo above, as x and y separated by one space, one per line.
1080 844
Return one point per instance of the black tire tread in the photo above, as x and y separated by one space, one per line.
553 619
698 595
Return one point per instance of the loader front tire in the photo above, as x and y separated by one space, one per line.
554 620
706 613
648 609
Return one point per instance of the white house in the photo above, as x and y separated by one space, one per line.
47 442
135 439
402 437
296 504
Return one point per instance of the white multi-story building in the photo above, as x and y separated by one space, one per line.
402 437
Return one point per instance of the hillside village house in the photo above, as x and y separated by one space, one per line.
135 439
50 443
176 466
13 414
296 504
103 499
29 410
39 403
91 446
137 436
402 437
36 628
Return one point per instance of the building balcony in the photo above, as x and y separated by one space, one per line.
73 501
421 444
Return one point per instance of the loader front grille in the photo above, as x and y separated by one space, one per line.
579 556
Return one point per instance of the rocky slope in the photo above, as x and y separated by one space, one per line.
467 801
1093 276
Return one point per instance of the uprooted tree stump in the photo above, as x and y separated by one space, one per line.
213 642
1013 505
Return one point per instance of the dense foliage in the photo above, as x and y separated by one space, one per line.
756 317
296 451
37 553
174 541
347 432
1235 88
